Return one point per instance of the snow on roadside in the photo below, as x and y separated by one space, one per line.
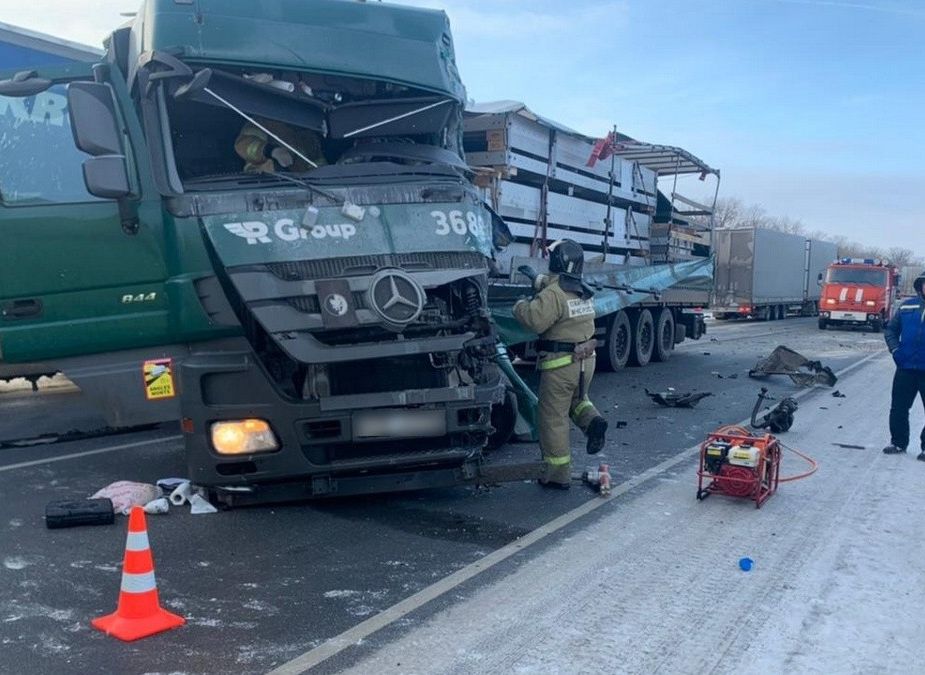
838 583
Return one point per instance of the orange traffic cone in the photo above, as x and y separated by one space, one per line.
139 613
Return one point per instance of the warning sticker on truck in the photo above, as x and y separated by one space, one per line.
159 379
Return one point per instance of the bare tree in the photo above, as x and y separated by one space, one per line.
901 257
733 212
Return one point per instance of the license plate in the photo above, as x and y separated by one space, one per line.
399 424
851 316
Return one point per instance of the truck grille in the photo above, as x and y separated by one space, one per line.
306 270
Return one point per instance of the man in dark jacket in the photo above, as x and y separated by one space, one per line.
905 337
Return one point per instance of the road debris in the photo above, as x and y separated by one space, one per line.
779 419
159 506
199 505
745 564
803 372
838 394
672 399
74 512
848 446
126 494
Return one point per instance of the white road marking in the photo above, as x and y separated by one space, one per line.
361 631
88 453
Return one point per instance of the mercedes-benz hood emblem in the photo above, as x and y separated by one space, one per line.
396 297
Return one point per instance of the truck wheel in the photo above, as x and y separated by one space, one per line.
823 324
643 338
781 312
696 328
503 419
764 314
664 336
876 326
615 352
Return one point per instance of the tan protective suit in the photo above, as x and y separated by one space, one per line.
556 314
252 146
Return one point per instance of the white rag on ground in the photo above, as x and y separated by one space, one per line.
653 584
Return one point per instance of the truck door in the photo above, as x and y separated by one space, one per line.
72 279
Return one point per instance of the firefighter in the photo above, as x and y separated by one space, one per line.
253 144
562 314
905 338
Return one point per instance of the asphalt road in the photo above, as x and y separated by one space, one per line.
263 585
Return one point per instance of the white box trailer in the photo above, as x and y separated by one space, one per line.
767 275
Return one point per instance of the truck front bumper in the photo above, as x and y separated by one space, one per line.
849 317
328 442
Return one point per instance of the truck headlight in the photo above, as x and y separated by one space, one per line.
243 437
871 303
830 301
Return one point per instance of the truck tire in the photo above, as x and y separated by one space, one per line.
643 338
503 419
618 342
876 326
781 312
696 329
823 324
664 335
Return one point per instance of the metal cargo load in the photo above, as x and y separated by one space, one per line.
540 178
647 248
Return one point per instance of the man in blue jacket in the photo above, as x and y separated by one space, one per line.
905 337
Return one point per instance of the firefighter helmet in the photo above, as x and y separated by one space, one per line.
566 257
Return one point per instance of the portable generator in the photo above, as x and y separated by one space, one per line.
736 463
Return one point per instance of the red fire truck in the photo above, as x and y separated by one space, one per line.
857 292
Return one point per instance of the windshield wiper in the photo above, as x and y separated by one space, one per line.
308 186
397 117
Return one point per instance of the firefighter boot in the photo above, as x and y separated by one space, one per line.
597 429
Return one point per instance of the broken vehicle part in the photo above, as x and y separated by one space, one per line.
672 399
777 420
785 361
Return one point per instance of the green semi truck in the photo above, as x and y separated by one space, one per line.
319 319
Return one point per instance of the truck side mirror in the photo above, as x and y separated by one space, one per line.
819 279
96 132
106 177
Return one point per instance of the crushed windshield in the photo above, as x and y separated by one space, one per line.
289 125
848 275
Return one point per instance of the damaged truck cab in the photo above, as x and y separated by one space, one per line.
332 296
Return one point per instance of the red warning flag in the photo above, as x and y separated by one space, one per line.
603 148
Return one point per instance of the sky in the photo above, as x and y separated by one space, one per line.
812 109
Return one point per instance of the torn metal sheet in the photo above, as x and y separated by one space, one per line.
785 361
655 278
671 399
